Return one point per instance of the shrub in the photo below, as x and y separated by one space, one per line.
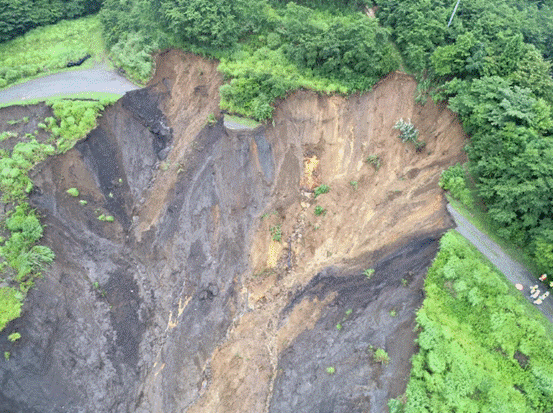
211 120
381 356
73 192
7 135
369 272
133 52
74 120
453 179
10 305
276 233
19 250
13 337
408 133
374 160
395 406
319 210
321 189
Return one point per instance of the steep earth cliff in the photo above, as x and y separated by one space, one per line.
187 302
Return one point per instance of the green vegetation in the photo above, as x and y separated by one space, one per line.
354 185
7 355
408 133
331 370
10 305
74 119
369 272
266 49
13 337
477 36
319 210
83 202
19 16
48 49
276 232
374 160
73 192
211 120
21 258
15 122
321 189
453 180
106 218
99 96
380 356
15 183
302 47
483 347
7 135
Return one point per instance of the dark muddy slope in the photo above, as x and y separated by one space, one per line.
79 349
161 302
184 302
361 316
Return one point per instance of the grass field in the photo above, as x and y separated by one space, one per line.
77 96
48 49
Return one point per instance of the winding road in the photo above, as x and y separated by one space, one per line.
98 79
513 270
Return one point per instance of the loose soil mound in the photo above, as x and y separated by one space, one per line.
187 302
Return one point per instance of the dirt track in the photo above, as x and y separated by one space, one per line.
197 308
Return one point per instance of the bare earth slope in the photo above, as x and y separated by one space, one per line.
197 308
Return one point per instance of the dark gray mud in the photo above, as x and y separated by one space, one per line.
94 327
366 314
83 323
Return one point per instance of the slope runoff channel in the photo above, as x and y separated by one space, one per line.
97 79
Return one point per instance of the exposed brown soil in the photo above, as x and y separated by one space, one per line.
199 309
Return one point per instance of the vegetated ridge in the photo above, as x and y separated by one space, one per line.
217 286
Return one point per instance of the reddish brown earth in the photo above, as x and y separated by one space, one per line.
198 309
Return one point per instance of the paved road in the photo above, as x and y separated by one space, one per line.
97 79
514 271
